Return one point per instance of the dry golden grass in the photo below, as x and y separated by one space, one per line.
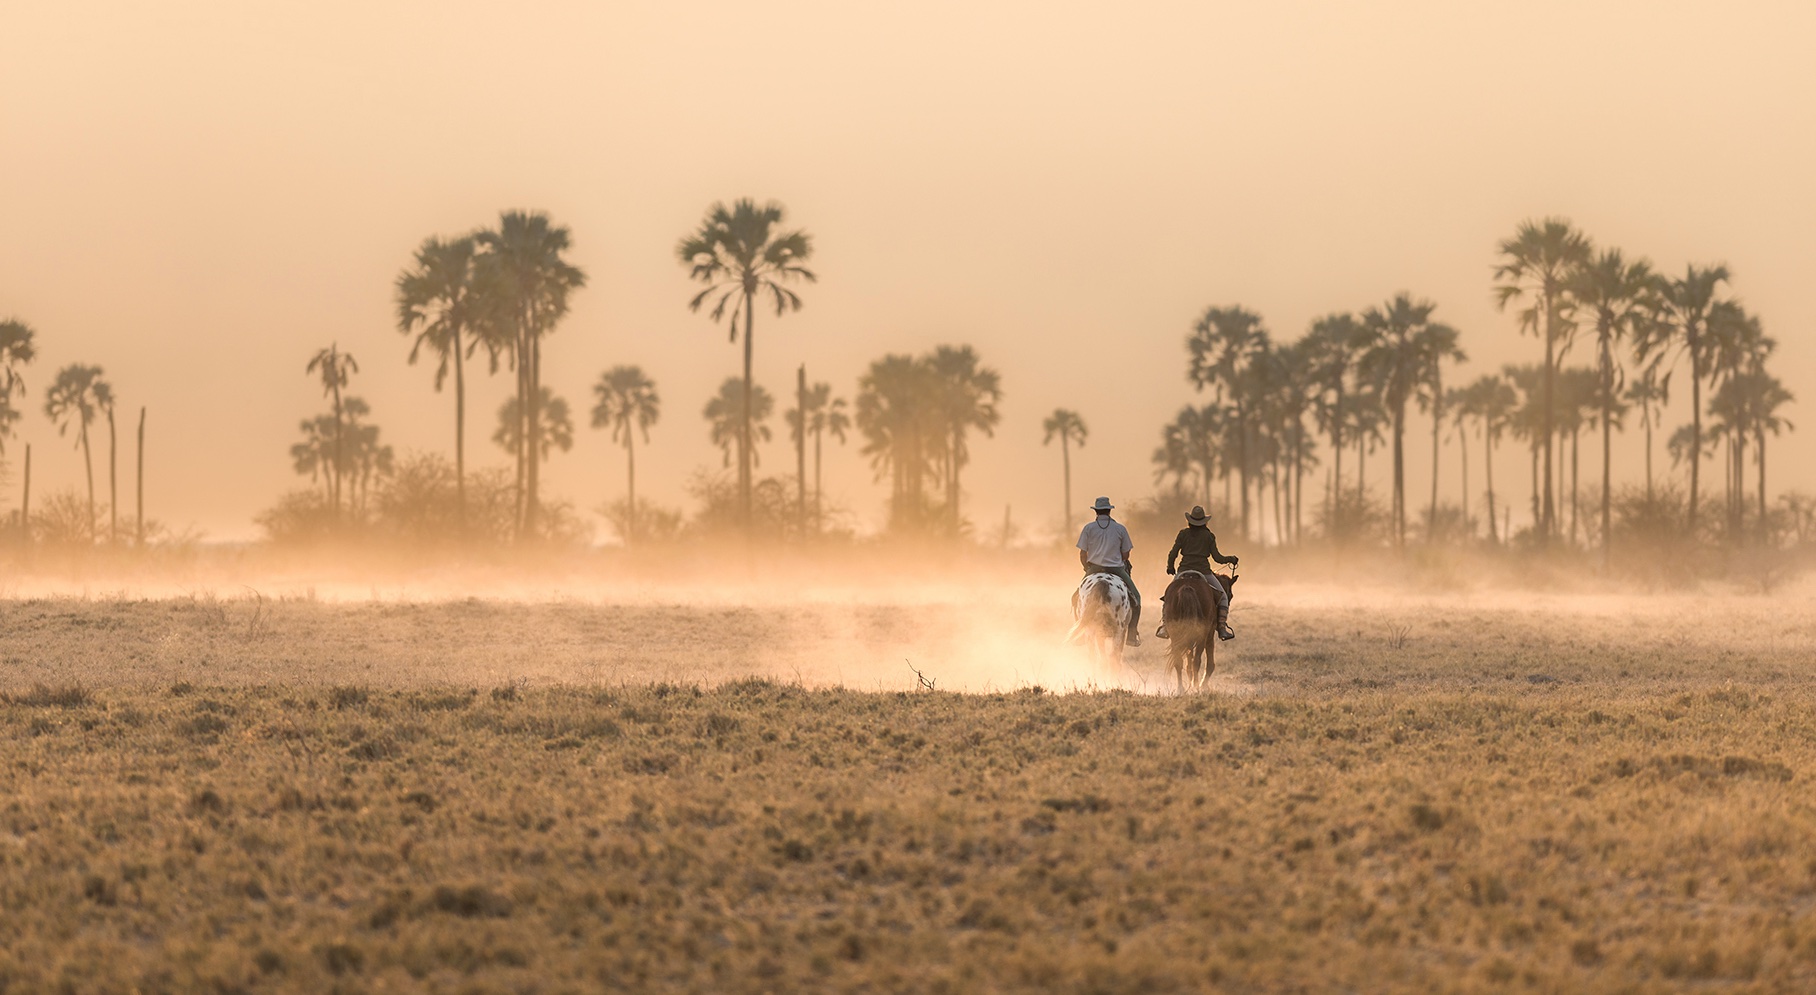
1435 795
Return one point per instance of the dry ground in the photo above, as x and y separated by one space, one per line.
1424 794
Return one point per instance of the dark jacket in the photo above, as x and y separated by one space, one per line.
1195 548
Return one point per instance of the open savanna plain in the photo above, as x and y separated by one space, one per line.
1492 792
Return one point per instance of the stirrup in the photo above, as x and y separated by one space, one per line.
1226 633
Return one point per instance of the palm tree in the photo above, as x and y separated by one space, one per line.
1066 425
1436 344
727 412
315 454
1527 421
738 253
336 370
555 427
1495 406
1738 345
1617 297
902 435
1401 336
1578 405
529 281
441 300
1223 346
1681 326
76 397
627 401
817 413
1334 342
1463 404
1537 264
968 395
1651 392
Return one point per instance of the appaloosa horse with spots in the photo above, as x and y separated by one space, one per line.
1101 608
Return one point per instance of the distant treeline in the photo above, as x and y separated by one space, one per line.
1276 414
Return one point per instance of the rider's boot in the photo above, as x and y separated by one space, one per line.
1223 624
1161 633
1135 626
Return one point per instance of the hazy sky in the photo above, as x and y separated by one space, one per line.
197 196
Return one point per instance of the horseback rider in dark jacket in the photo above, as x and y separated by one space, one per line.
1194 549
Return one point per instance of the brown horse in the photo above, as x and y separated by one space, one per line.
1189 611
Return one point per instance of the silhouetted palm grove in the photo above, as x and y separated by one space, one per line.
1353 379
1280 440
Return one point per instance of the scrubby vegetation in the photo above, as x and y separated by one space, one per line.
1465 800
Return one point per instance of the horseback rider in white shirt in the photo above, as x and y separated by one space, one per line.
1104 547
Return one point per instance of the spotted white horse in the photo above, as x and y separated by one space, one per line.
1101 610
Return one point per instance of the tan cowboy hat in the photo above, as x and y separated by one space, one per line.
1103 504
1197 515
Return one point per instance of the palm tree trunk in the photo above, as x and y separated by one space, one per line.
630 459
1437 425
1759 433
801 447
25 505
818 522
1648 457
1538 518
335 500
88 464
460 439
1488 468
1299 487
744 482
1065 456
533 450
1463 444
1242 465
1400 475
138 517
1576 466
1695 430
113 481
521 449
1547 426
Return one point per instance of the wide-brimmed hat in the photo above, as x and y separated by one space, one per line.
1103 504
1197 515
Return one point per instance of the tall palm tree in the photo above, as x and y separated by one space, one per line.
820 413
524 270
1437 345
1495 402
76 396
1527 421
441 300
1617 298
1738 345
727 413
1578 406
1537 265
1681 327
1223 347
1651 392
1334 342
555 427
968 393
902 434
1065 425
627 401
740 254
336 369
1463 403
1400 337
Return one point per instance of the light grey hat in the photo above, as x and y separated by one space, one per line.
1103 504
